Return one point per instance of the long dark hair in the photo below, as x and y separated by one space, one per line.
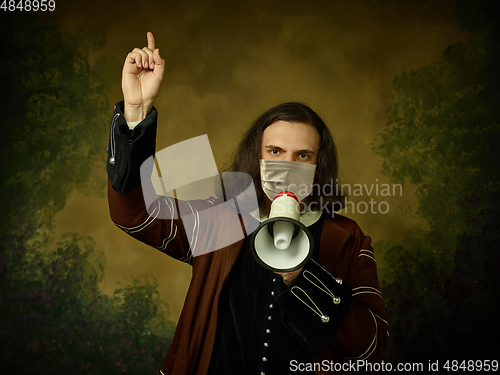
247 154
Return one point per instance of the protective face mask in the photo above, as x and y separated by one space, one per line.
278 175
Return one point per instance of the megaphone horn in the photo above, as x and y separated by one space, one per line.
282 243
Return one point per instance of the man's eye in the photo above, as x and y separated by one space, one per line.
274 152
303 156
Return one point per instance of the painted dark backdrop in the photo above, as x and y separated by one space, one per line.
409 89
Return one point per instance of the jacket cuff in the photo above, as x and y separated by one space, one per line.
128 149
314 306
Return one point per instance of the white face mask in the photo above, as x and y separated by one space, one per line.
279 175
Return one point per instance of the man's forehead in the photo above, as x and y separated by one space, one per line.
283 134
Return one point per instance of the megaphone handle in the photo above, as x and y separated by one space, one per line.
289 277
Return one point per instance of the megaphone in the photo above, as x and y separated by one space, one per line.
282 243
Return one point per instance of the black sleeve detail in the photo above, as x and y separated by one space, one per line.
314 306
128 149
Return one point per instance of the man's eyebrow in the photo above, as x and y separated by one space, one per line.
306 151
274 147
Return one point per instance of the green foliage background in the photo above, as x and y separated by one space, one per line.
54 318
441 287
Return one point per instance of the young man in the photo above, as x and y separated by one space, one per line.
240 317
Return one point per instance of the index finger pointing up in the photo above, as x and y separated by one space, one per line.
151 41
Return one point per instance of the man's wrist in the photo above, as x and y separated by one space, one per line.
136 113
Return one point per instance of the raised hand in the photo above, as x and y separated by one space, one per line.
141 80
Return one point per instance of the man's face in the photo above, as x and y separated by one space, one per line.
290 141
